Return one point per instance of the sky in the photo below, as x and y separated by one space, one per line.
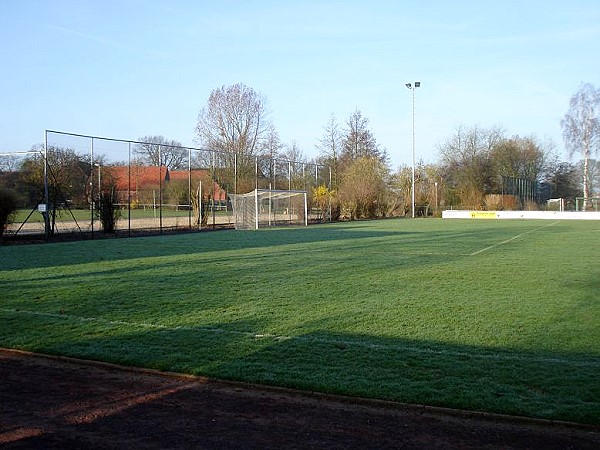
132 68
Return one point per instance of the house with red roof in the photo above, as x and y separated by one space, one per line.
143 184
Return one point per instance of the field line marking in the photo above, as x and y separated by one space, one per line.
345 342
512 239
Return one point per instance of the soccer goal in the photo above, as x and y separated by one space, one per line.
268 208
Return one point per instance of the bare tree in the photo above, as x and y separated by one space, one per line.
234 123
296 160
363 188
358 140
523 159
480 166
466 158
68 175
428 189
271 150
401 185
159 151
271 145
330 146
581 130
294 153
9 163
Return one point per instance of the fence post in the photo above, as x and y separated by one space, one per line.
46 193
129 188
92 184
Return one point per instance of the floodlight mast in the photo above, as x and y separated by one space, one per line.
412 87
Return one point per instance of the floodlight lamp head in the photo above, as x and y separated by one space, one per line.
417 84
408 85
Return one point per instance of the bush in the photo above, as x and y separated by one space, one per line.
107 211
326 200
8 208
499 202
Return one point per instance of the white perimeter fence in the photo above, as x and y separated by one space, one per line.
549 215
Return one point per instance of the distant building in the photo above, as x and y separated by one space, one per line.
143 184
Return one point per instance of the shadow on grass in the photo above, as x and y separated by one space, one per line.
79 406
449 241
82 252
543 385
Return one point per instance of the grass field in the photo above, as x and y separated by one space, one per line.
499 316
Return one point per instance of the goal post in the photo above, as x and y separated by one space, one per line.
269 208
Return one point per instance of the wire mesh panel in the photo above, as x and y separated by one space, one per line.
73 183
111 180
68 185
523 189
21 176
268 208
213 175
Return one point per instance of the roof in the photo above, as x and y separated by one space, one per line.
142 177
138 178
183 174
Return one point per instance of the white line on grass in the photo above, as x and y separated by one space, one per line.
320 340
511 239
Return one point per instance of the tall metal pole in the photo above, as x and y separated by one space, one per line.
46 190
256 175
212 189
412 87
92 185
329 195
160 189
273 172
413 154
189 199
304 175
129 188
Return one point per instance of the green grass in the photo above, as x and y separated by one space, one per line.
499 316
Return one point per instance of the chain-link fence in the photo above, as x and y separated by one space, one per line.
74 183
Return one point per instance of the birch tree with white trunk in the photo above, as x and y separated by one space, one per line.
581 130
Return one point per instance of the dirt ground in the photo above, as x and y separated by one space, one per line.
48 402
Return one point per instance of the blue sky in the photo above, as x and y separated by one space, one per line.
126 69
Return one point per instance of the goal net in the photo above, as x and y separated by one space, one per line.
268 208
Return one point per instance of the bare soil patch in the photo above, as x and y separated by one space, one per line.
50 402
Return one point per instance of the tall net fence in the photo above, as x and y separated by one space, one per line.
69 183
19 173
524 190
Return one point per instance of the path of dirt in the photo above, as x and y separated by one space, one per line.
48 402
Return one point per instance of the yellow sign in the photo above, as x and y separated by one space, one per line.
484 215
